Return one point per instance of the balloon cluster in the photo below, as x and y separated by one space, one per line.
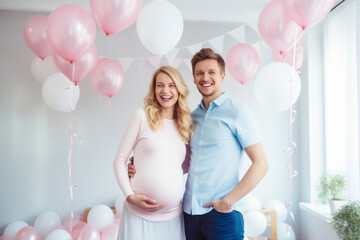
255 221
101 224
68 34
282 24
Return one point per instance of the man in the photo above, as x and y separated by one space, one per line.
224 130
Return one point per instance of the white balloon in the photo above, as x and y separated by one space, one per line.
60 93
159 26
119 203
285 232
42 69
13 228
248 203
100 216
279 207
58 234
273 88
255 223
46 222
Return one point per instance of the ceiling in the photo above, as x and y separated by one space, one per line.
192 10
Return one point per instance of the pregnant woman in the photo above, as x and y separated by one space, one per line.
156 135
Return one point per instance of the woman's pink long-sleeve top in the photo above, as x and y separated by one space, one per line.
158 162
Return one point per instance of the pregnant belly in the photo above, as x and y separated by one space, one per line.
165 187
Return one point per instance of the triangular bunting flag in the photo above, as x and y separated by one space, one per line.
171 55
188 63
254 26
154 61
251 35
256 46
238 34
218 43
194 48
125 63
176 62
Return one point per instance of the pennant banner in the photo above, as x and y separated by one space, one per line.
238 34
188 63
176 63
125 63
217 43
154 61
254 26
246 33
194 48
171 55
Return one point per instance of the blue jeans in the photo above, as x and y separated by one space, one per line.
214 226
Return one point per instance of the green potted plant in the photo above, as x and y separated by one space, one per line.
346 221
332 187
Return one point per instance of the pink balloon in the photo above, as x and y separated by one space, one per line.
107 77
307 12
288 56
89 232
77 219
110 232
277 28
115 15
71 31
28 233
242 62
35 36
75 233
80 68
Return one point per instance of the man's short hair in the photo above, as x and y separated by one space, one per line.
207 53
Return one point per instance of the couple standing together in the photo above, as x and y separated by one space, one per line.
208 145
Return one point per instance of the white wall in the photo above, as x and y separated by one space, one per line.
35 141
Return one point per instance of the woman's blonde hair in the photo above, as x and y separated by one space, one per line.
182 111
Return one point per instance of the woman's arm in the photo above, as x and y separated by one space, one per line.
128 143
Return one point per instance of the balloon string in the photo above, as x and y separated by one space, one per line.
291 149
70 153
109 103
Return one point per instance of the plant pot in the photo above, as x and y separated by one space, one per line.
336 205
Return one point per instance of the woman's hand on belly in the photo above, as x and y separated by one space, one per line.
143 202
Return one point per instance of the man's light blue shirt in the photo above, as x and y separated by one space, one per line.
221 133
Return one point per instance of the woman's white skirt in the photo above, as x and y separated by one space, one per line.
133 227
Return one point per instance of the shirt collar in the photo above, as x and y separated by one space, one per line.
218 101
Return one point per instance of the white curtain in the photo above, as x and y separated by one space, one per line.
341 94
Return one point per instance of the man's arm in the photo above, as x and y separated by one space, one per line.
131 168
252 177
